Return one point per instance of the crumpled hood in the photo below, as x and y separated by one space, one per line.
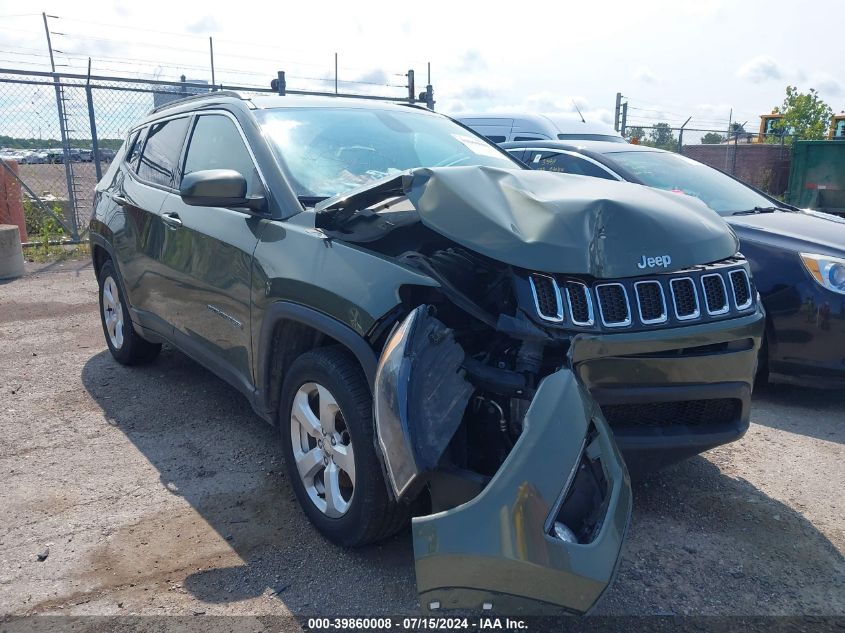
559 223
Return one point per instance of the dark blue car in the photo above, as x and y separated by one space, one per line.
797 256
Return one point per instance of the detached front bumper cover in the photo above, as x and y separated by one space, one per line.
498 551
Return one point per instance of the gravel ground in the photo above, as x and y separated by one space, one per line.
155 490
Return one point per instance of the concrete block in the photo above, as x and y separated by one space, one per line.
11 253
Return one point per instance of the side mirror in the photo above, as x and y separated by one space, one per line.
217 188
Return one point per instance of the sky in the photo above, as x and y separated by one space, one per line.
671 59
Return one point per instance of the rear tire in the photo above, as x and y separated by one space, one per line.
326 424
125 344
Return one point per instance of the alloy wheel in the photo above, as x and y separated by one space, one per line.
112 312
322 449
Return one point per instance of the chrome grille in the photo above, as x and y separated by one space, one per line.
715 294
685 298
580 303
741 288
613 305
651 302
698 294
547 297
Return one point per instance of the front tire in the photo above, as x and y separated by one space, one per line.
125 344
326 423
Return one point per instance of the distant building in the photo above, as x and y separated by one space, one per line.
172 93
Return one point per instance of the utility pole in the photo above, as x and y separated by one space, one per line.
63 133
412 91
728 139
429 91
211 52
624 118
616 111
335 73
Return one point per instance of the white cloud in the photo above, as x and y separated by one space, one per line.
204 25
759 69
826 84
475 92
644 74
471 61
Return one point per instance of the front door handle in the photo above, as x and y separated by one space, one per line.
171 219
120 200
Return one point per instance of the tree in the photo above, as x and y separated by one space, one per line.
805 115
737 129
661 136
637 133
712 138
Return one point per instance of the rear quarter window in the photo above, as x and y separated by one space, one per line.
133 149
161 151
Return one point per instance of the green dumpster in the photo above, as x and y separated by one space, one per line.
817 176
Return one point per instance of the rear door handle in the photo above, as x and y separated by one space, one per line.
171 219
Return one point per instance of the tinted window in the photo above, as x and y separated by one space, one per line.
665 170
528 138
567 164
161 151
216 143
496 139
327 151
134 149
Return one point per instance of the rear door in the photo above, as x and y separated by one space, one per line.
209 251
137 194
148 178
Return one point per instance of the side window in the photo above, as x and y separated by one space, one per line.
567 164
134 150
496 139
216 143
529 138
161 151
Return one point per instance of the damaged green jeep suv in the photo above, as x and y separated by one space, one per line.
436 331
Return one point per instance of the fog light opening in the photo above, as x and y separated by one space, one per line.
564 533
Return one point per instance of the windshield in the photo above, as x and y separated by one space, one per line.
328 151
674 172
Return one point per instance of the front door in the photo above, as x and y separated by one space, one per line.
209 254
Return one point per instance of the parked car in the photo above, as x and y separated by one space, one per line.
106 154
797 257
500 127
57 155
430 325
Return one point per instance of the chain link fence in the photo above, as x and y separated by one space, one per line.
60 131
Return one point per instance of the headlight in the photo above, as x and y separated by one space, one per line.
828 271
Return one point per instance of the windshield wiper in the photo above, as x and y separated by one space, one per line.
757 210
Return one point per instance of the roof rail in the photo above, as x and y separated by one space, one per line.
204 95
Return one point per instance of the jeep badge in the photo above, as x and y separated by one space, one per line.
653 262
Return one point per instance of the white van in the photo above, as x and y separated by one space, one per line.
502 127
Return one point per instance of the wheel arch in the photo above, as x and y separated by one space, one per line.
101 251
288 331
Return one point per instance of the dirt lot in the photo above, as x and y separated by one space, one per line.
155 490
